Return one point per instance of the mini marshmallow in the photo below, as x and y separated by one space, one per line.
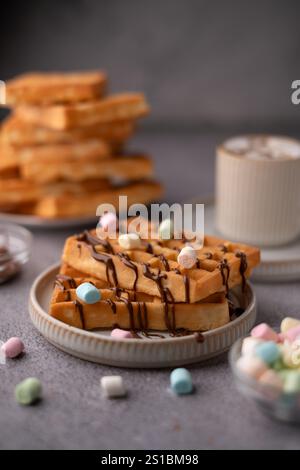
268 352
113 386
264 331
88 293
292 382
292 334
121 334
13 347
252 366
187 257
166 229
288 323
181 381
109 221
129 241
272 379
249 345
28 391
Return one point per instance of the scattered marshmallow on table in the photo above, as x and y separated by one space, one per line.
121 334
265 332
181 381
113 386
187 257
28 391
13 347
166 229
88 293
129 241
109 222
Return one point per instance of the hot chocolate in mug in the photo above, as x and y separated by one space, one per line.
258 189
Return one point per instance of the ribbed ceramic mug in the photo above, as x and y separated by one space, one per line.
258 189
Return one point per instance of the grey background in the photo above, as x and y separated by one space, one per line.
209 69
202 63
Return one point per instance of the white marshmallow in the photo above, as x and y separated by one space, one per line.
249 345
187 257
129 241
113 386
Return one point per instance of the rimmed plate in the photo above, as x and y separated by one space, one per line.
32 221
98 346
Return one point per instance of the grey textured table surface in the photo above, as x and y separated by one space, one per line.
73 415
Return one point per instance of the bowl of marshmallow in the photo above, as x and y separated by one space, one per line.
266 368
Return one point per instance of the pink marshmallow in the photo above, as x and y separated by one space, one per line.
13 347
109 221
291 334
264 331
121 334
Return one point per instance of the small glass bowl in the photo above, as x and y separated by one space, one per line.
15 244
282 406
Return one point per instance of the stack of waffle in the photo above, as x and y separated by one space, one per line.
146 289
62 147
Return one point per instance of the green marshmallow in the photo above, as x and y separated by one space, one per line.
28 391
278 365
292 382
166 229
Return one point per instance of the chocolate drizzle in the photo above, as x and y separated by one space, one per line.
164 261
243 267
223 248
149 248
63 277
79 308
127 261
225 271
208 255
94 241
109 264
187 288
198 264
112 305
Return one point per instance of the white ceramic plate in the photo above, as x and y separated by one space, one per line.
280 264
32 221
98 346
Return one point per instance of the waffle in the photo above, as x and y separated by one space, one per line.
132 310
19 133
16 192
122 168
126 106
45 88
38 156
70 205
153 268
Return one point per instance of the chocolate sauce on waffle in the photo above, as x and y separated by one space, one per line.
187 288
127 261
164 261
79 308
63 277
109 264
94 241
112 305
243 267
225 271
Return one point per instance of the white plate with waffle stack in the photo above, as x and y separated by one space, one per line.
98 346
